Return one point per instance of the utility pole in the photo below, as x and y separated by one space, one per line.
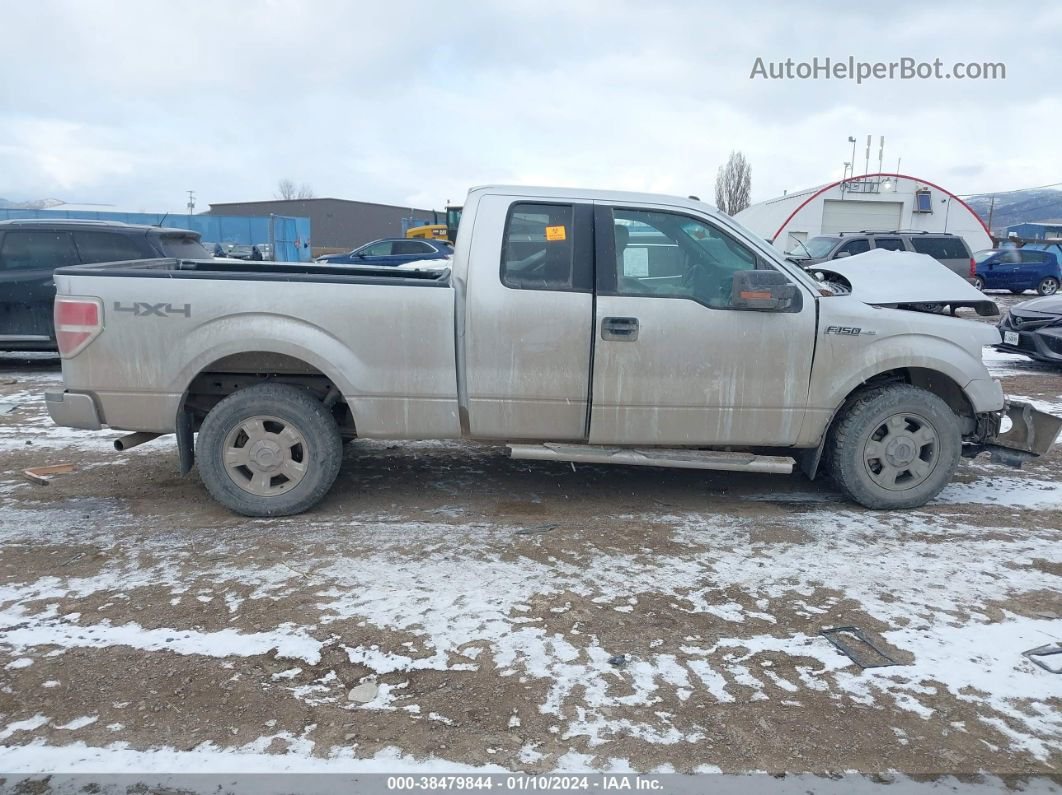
866 167
191 201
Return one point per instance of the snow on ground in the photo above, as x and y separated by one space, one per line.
944 587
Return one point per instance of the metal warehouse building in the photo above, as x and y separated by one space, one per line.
1039 230
879 202
339 223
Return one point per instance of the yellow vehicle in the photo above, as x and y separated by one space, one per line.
429 231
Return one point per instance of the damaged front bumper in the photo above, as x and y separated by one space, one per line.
1014 435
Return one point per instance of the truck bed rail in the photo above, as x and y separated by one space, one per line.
239 270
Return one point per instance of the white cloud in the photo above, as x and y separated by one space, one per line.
412 103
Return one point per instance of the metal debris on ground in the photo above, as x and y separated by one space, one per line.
531 531
1035 655
43 475
7 408
618 660
863 653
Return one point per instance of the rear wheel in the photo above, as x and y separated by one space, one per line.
894 446
1047 286
979 283
269 450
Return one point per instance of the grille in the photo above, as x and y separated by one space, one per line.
1027 322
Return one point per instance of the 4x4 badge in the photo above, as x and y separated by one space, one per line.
143 309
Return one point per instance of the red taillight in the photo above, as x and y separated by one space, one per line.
77 322
973 268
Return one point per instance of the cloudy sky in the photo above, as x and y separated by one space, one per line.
133 103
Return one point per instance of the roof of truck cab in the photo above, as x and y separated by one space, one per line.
534 191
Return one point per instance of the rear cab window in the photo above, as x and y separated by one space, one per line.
544 249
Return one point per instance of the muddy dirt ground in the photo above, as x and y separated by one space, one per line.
529 616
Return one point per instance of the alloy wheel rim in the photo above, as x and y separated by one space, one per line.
265 456
901 452
1050 286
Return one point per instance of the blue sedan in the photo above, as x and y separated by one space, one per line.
391 251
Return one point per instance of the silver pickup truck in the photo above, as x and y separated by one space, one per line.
572 325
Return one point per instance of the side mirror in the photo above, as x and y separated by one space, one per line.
840 254
764 291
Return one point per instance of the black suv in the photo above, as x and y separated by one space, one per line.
31 249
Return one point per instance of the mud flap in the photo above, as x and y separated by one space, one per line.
1031 434
185 442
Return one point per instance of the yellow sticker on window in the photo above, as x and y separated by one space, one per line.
556 233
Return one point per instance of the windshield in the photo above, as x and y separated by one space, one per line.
981 256
816 247
184 247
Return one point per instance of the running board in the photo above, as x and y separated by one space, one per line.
679 458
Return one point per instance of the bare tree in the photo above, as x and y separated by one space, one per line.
733 184
286 189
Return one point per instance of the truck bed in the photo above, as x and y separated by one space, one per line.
240 270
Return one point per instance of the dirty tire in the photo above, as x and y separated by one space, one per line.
1047 286
897 429
281 412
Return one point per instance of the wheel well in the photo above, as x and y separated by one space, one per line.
931 380
241 370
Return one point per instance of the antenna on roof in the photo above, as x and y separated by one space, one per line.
163 218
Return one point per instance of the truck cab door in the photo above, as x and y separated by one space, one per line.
675 363
528 319
28 259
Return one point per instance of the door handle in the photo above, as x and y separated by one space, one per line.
619 329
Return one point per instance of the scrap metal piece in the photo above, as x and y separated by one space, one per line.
1034 655
7 408
857 654
41 474
1031 430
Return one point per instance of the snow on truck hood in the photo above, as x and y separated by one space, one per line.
889 278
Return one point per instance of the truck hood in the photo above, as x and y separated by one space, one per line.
892 278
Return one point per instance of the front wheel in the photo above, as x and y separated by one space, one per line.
269 450
894 446
1047 286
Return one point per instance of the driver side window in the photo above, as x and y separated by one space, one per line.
665 254
379 250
